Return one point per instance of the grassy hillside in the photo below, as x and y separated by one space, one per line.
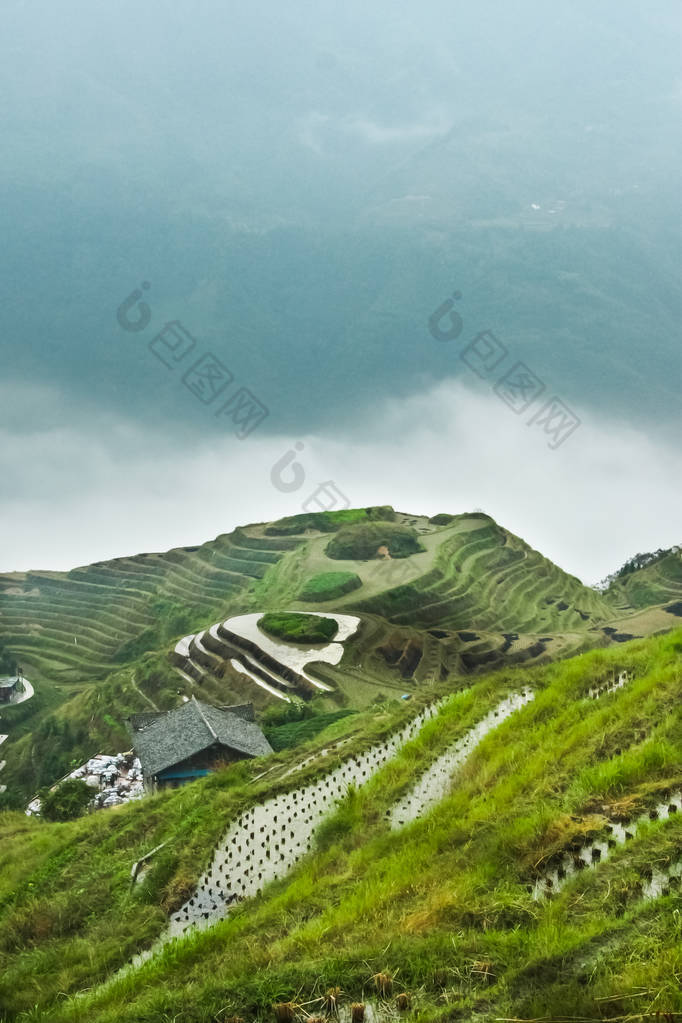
445 907
658 582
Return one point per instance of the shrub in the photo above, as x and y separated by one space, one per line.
442 519
328 585
380 512
298 628
8 665
67 801
362 541
328 522
284 714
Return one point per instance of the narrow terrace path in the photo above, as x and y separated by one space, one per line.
144 696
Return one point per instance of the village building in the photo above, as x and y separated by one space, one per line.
9 688
193 740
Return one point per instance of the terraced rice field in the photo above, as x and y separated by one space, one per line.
489 579
276 667
268 840
612 834
475 598
80 624
434 783
459 907
473 578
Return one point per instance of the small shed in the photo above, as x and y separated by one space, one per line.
193 740
8 688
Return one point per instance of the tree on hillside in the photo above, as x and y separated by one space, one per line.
8 666
67 801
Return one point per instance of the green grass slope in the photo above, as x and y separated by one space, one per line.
444 906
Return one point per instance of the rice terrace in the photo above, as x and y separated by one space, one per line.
421 773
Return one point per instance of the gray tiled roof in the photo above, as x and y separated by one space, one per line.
163 740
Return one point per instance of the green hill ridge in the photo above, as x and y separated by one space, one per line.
96 640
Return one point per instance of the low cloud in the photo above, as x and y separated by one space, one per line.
320 132
72 497
376 133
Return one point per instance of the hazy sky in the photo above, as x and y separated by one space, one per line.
302 187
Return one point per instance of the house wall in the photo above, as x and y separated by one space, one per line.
207 760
